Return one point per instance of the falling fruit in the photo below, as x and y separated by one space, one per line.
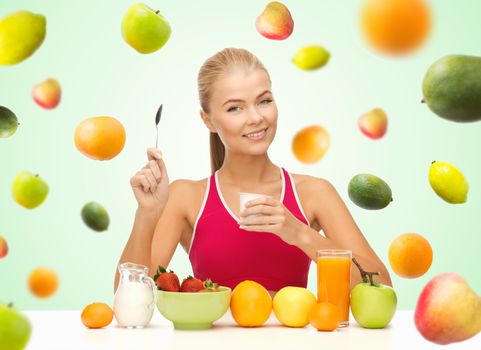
43 282
448 310
410 255
95 216
311 57
8 122
452 86
100 138
395 27
251 304
448 182
144 29
97 315
369 192
29 190
47 93
3 247
275 22
21 34
373 124
310 144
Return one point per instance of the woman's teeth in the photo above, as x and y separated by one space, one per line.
256 135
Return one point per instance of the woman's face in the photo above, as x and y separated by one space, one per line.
243 111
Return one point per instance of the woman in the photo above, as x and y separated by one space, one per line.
274 239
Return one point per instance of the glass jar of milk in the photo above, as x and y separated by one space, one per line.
135 296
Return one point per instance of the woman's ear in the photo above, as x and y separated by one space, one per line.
206 119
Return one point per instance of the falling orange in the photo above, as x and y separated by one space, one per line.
43 282
410 255
310 144
395 26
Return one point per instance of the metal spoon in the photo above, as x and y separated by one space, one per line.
157 120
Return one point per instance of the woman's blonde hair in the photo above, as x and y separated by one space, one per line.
220 63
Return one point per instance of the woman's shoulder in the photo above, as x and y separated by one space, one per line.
188 187
311 186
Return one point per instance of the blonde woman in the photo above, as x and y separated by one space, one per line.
274 240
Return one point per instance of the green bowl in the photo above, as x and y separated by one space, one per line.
193 310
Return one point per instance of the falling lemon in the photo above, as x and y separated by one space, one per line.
448 182
311 57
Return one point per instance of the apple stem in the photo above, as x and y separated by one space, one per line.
364 274
422 101
10 305
157 12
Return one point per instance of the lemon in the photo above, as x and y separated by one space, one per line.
311 57
292 305
448 182
21 33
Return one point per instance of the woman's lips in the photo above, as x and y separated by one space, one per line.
256 135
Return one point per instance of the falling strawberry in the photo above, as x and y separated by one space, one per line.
191 285
210 286
166 280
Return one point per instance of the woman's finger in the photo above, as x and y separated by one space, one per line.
154 153
139 180
259 209
150 177
152 165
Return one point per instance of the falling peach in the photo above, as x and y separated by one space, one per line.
373 124
47 93
275 22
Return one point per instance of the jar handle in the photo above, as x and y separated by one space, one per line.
154 288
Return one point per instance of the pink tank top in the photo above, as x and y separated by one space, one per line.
220 250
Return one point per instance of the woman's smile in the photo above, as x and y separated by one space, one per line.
256 135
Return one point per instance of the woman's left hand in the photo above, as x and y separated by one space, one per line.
269 215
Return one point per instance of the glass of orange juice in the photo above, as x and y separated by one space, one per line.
334 280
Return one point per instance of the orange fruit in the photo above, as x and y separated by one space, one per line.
43 282
97 315
395 26
100 138
250 304
310 144
410 255
324 316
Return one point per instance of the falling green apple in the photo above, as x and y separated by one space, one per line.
15 328
372 304
144 29
29 190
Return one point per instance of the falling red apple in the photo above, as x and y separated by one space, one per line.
47 93
373 124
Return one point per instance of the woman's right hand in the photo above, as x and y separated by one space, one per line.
151 183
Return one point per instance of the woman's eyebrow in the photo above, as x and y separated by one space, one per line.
239 100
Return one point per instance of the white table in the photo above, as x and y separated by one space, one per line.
64 330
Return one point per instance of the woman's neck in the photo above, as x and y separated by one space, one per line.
243 170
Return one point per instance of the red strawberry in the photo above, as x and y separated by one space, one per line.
210 286
191 284
167 280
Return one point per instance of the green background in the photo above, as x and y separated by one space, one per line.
101 75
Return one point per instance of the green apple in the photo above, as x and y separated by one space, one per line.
144 29
15 328
372 304
29 190
8 122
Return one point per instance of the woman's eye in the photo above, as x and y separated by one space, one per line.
266 101
232 109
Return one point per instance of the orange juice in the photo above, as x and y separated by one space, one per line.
333 280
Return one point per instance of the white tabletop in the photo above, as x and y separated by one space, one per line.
64 330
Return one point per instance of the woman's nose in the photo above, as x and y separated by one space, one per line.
254 115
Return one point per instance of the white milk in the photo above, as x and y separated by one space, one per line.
134 304
245 197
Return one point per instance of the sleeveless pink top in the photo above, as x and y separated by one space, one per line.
220 250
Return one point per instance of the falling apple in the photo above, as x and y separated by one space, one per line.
47 93
29 190
3 247
448 310
373 124
15 328
144 29
275 22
